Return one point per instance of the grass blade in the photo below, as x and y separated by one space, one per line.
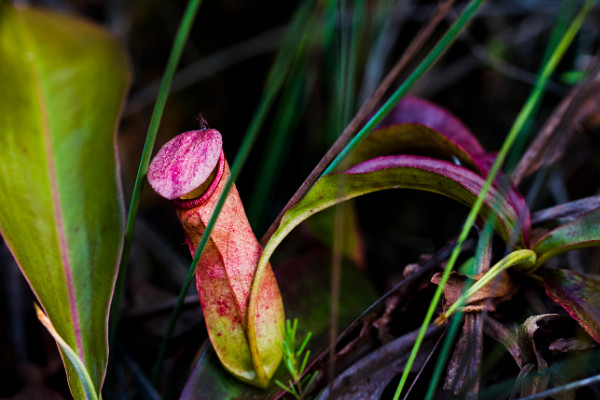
481 262
272 87
291 107
174 57
444 43
560 27
366 108
84 376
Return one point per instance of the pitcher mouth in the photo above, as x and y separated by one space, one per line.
187 204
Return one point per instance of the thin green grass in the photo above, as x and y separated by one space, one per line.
481 262
521 119
287 117
439 49
272 87
565 14
285 122
178 45
342 105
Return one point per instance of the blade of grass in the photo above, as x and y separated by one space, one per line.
144 384
341 108
481 263
567 9
563 388
180 39
272 87
84 376
534 97
358 32
336 67
287 117
291 107
336 277
424 365
435 53
387 22
410 53
347 20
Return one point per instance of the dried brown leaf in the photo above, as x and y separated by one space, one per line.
497 291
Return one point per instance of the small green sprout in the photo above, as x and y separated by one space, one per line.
291 357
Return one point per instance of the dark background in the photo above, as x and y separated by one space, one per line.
483 79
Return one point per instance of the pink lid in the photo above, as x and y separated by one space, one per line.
185 162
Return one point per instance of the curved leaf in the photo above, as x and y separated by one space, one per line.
412 110
413 138
578 294
391 172
63 82
582 232
401 172
418 127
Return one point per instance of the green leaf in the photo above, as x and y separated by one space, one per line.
418 127
63 82
582 232
398 172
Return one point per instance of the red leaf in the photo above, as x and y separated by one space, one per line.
412 110
578 294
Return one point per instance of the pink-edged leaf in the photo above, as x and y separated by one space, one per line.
432 175
578 294
413 110
410 139
309 273
582 232
63 81
418 127
401 172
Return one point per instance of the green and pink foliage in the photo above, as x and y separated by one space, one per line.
62 213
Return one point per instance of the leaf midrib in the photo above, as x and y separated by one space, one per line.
40 97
